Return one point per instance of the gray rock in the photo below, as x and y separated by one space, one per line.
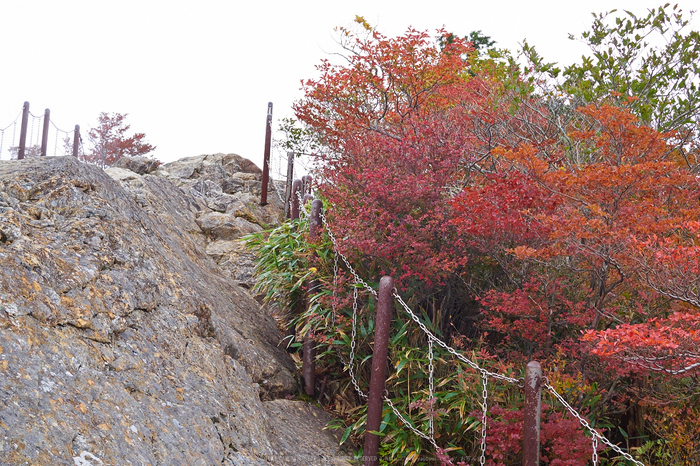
233 257
225 226
300 416
223 179
140 165
123 342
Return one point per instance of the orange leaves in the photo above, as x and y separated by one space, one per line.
670 345
620 139
523 252
385 81
623 187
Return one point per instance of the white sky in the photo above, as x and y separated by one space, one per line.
196 76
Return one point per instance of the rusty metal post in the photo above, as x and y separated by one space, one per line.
294 215
76 140
308 368
296 190
308 363
45 133
306 184
531 426
23 132
288 184
266 159
315 220
385 304
307 198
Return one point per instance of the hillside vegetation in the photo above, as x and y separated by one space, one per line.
526 212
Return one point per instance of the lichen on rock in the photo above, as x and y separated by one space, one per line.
122 340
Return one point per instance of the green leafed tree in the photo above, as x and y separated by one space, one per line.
477 39
650 64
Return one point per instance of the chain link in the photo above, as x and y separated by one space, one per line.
588 427
431 400
55 143
14 131
484 396
57 128
353 343
408 424
594 441
31 131
448 348
38 129
355 276
13 123
302 206
334 305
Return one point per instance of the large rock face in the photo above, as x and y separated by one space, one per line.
121 340
229 186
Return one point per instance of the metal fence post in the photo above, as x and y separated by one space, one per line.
296 191
377 382
76 140
266 160
23 131
294 215
288 184
45 132
306 184
531 425
308 369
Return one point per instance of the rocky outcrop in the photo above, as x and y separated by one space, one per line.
121 339
140 165
229 186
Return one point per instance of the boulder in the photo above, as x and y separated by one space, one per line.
140 165
123 342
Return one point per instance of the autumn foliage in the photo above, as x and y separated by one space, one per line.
574 243
110 141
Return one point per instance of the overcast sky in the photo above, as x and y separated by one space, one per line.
196 76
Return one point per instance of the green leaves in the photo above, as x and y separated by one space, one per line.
283 262
297 138
626 62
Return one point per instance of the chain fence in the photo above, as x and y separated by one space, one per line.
66 139
432 339
60 139
14 133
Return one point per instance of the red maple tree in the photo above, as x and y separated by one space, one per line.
110 141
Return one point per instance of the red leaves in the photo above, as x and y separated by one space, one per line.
404 124
534 319
110 142
670 345
435 171
563 442
498 213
